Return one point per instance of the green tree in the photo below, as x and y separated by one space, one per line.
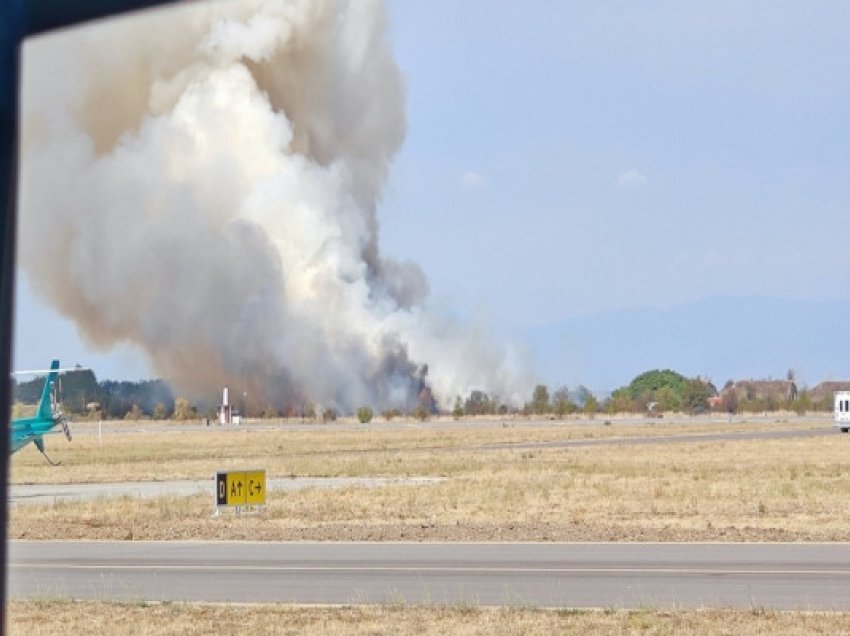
540 400
650 381
478 403
74 390
561 402
803 403
77 389
159 412
621 401
457 411
668 389
666 400
591 405
182 410
364 414
696 393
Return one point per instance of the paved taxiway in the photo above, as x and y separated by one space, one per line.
56 493
151 426
677 438
786 576
681 438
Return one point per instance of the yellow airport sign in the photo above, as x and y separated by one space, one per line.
256 487
237 489
240 488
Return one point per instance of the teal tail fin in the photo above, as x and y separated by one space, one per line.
45 405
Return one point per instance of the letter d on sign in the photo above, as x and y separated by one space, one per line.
220 489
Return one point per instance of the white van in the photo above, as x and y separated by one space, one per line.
842 410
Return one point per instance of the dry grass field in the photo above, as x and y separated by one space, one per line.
65 617
778 490
785 490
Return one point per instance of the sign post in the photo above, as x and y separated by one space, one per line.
240 489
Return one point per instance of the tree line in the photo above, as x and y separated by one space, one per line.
665 391
80 394
652 392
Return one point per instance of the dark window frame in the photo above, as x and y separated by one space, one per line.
20 19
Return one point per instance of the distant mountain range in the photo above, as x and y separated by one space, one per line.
720 338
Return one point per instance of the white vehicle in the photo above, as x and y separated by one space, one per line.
842 410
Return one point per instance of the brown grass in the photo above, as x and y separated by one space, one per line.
162 454
781 490
66 617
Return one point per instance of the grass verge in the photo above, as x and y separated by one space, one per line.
64 617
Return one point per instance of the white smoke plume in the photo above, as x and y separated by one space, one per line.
203 183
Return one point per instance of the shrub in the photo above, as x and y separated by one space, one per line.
135 413
389 414
364 414
182 410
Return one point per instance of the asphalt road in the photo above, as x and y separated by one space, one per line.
780 576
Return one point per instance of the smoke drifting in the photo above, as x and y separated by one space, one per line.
203 183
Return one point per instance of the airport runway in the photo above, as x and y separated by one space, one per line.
778 576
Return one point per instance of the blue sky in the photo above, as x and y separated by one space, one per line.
566 160
625 154
575 161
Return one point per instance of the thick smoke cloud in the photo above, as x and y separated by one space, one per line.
203 183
